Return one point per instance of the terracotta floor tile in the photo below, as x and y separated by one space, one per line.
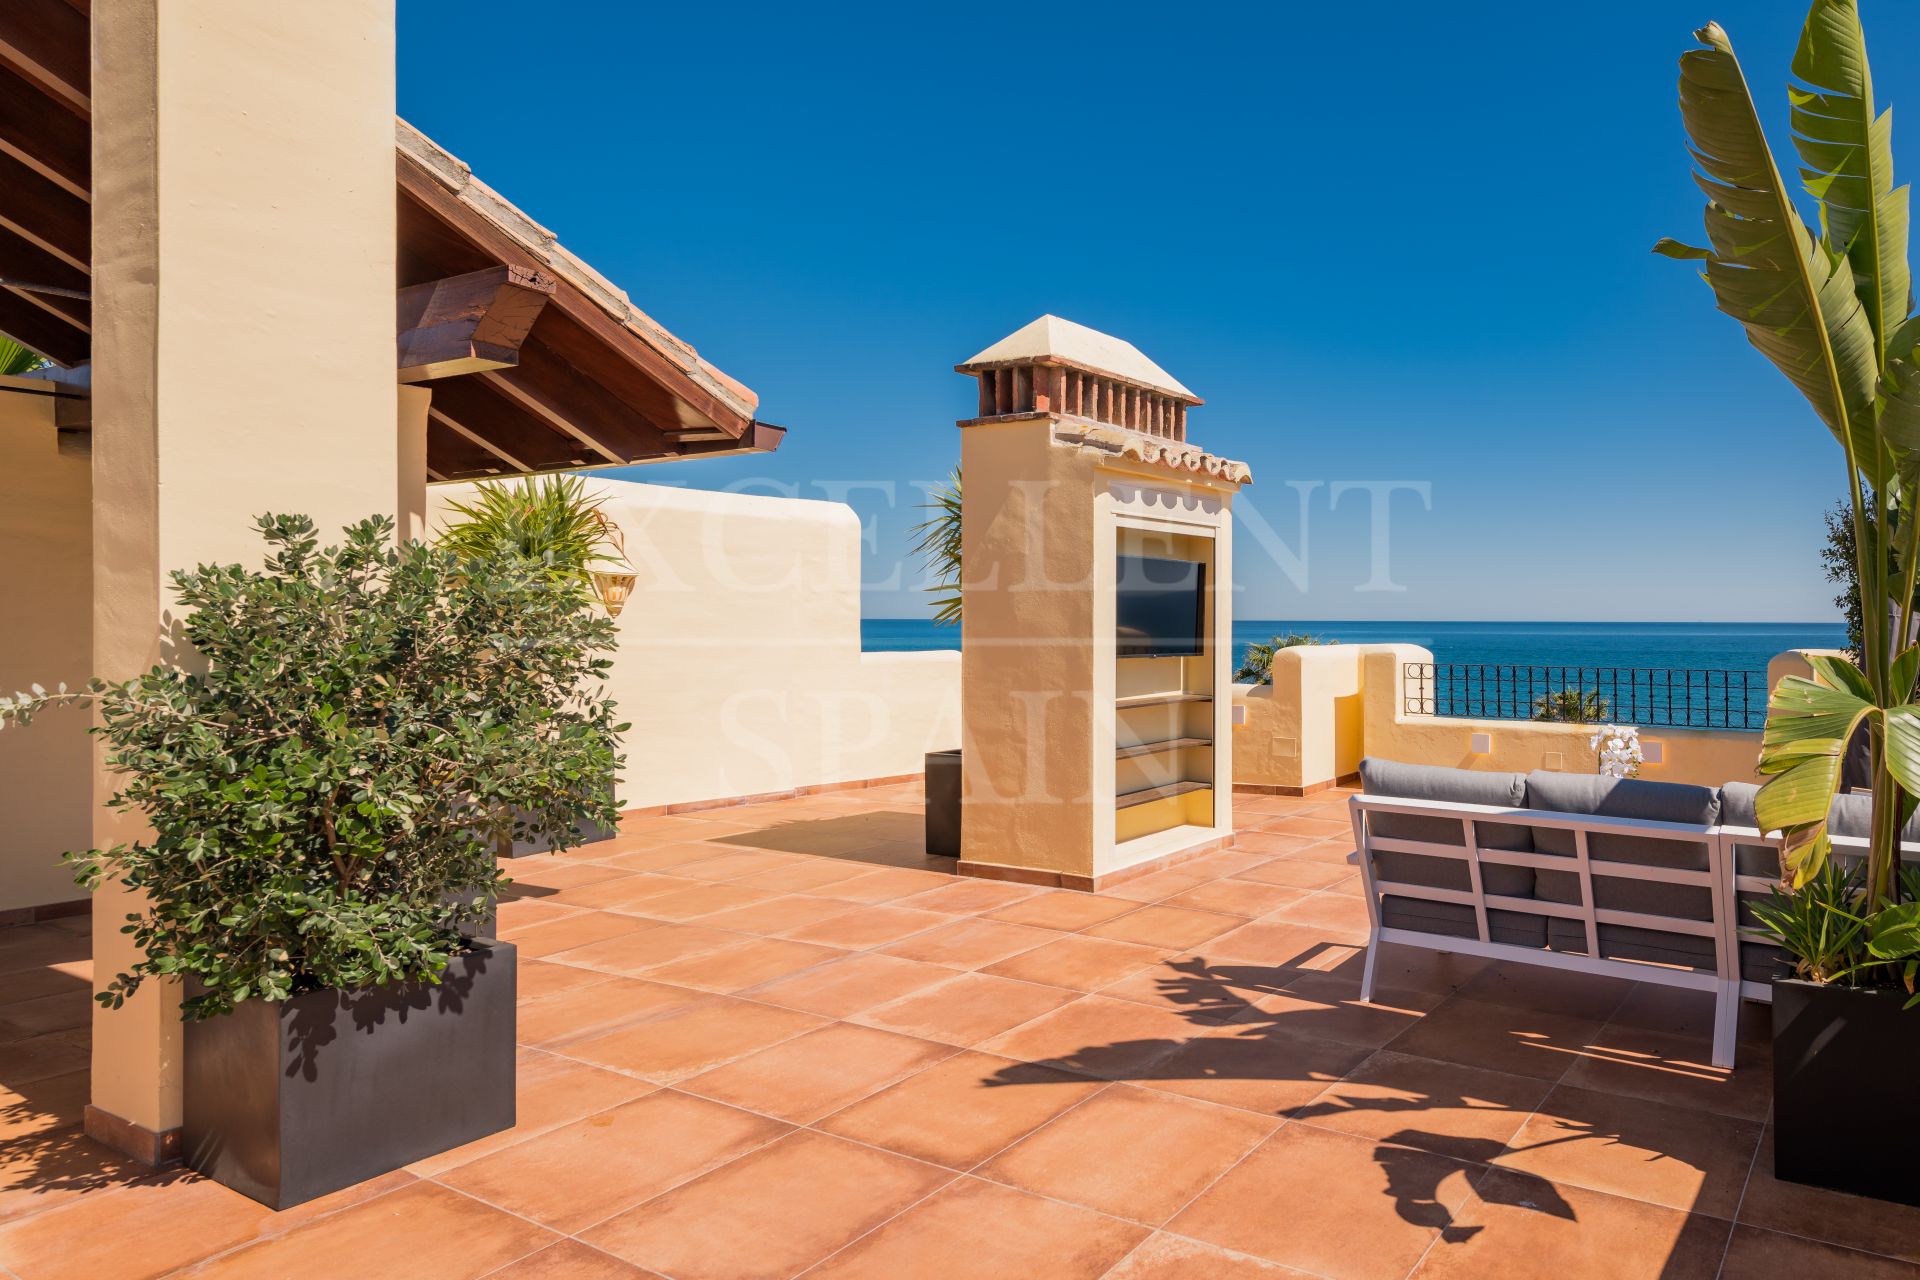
1331 1204
747 963
1526 986
974 1230
1285 946
64 1011
1672 1156
549 1091
1196 990
1256 1069
628 894
809 876
772 1213
648 946
1457 1111
571 1260
1080 963
52 1103
1130 1152
776 916
1855 1222
574 933
516 915
1170 1257
1247 898
962 1110
657 856
130 1232
1339 917
1524 1042
1159 884
38 1057
1521 1226
422 1229
817 1073
1763 1255
968 895
885 884
1675 1011
842 988
540 978
1328 1006
1175 928
1316 828
1293 874
541 872
1263 840
699 900
31 984
1415 968
1676 1070
969 943
584 1172
870 926
583 1011
41 946
1063 909
1101 1037
694 1039
969 1008
726 865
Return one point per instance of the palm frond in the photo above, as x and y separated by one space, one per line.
937 542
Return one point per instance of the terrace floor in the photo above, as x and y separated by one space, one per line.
778 1040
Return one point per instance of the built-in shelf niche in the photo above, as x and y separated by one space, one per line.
1164 717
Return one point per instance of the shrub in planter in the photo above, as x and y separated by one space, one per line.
326 790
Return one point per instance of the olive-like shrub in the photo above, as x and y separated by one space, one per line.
328 774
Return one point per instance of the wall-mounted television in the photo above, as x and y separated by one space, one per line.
1160 607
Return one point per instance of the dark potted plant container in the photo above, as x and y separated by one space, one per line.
1843 1092
325 798
289 1100
943 803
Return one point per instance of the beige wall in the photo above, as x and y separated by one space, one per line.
1332 704
739 664
46 620
244 269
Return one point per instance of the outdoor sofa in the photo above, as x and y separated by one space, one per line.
1648 881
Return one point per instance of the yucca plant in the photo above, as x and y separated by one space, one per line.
1830 309
938 546
550 520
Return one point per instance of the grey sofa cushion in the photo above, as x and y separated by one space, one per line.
1625 942
1850 815
1458 786
1455 920
1625 798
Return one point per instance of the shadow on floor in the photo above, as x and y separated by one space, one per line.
889 838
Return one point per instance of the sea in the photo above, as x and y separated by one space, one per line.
1720 646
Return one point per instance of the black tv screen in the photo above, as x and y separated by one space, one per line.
1159 606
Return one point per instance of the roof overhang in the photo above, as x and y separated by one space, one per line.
563 373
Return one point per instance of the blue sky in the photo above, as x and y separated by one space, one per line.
1397 241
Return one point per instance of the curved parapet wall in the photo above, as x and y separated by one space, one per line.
739 664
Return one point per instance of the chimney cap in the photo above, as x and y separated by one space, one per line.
1052 340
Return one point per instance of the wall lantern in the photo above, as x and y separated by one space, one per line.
613 576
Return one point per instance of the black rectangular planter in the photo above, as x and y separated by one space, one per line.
943 803
288 1101
1843 1094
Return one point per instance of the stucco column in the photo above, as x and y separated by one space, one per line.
244 269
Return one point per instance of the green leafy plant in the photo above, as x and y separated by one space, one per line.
938 545
16 359
1572 706
326 796
1833 935
1830 310
550 520
1257 666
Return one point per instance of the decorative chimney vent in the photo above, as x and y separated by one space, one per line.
1057 367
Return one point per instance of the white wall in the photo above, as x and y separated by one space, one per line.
739 664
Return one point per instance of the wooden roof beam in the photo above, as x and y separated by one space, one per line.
555 414
468 323
474 437
33 324
48 42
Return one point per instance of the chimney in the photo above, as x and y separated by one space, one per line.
1068 371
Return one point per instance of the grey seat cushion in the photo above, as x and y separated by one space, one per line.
1625 798
1850 815
1455 920
1625 942
1458 786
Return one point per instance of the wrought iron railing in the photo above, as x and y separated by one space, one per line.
1690 698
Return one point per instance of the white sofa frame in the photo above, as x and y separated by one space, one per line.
1723 980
